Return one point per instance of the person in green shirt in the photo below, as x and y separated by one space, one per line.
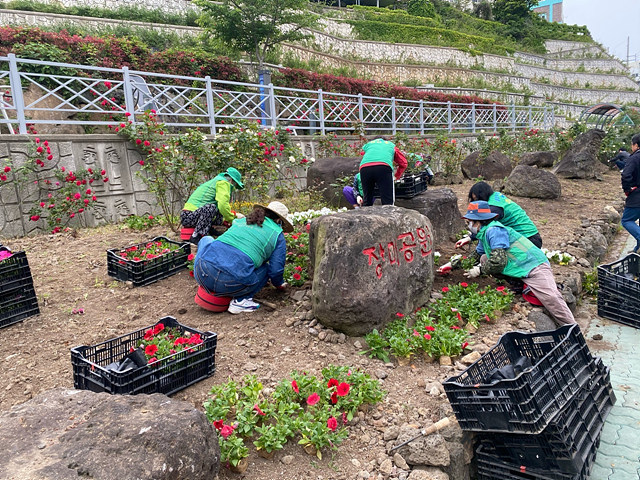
508 213
244 258
209 204
354 194
376 169
503 251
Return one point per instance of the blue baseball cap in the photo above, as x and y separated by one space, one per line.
479 210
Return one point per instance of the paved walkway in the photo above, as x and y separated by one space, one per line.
619 454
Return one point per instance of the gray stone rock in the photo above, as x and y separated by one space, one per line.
428 473
581 160
441 178
370 264
400 462
430 451
440 206
287 459
391 433
460 457
325 173
386 467
542 321
102 436
496 166
470 358
531 182
539 159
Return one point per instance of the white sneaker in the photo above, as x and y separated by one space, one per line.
243 306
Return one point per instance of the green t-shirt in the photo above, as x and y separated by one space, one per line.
378 151
257 242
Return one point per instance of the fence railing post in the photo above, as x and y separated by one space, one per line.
473 117
360 109
513 117
321 111
449 125
495 118
421 117
272 106
16 93
530 120
211 110
128 95
393 115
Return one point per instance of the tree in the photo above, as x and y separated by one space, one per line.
483 10
421 8
516 14
256 26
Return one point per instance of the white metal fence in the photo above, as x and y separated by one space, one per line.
86 95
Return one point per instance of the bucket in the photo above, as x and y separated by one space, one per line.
212 302
185 233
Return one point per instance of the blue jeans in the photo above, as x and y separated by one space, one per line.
219 282
630 216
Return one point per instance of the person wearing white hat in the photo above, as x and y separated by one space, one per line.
241 261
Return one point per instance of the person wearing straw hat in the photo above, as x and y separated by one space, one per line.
209 204
503 251
244 258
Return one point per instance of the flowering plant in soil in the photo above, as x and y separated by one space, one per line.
64 194
469 303
148 251
305 216
160 342
556 256
315 410
296 269
191 260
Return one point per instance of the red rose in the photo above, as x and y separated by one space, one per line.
332 424
343 389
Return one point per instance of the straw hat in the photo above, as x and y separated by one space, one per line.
281 211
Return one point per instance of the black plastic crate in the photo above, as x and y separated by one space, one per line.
146 271
169 375
565 444
408 186
17 296
619 290
561 365
14 272
491 467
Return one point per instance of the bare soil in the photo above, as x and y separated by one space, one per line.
70 272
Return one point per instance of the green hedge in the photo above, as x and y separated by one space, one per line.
398 33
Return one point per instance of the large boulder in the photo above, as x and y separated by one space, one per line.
330 175
370 264
440 206
581 160
496 165
531 182
69 434
539 159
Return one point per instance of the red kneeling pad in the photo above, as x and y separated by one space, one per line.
185 233
212 302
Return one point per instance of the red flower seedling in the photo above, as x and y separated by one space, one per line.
294 385
343 389
332 424
313 399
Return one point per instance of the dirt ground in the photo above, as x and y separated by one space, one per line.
70 273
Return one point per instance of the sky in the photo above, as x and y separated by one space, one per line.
610 23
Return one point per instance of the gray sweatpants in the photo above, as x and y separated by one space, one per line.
543 285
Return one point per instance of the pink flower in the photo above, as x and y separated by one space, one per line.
256 408
218 424
465 345
226 431
400 315
332 424
313 399
296 276
415 333
294 385
445 289
464 284
427 336
455 327
430 328
500 288
150 349
332 383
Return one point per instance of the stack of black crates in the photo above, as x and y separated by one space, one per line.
542 421
619 290
17 295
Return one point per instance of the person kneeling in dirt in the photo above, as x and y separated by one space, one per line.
509 213
244 258
209 205
502 250
354 194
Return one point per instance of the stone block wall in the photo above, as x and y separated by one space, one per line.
171 6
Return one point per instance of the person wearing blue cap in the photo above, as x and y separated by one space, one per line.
209 204
503 251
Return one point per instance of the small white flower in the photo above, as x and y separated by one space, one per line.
231 149
292 159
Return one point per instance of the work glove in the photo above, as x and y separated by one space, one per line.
283 287
463 241
444 269
473 273
226 224
359 200
239 215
